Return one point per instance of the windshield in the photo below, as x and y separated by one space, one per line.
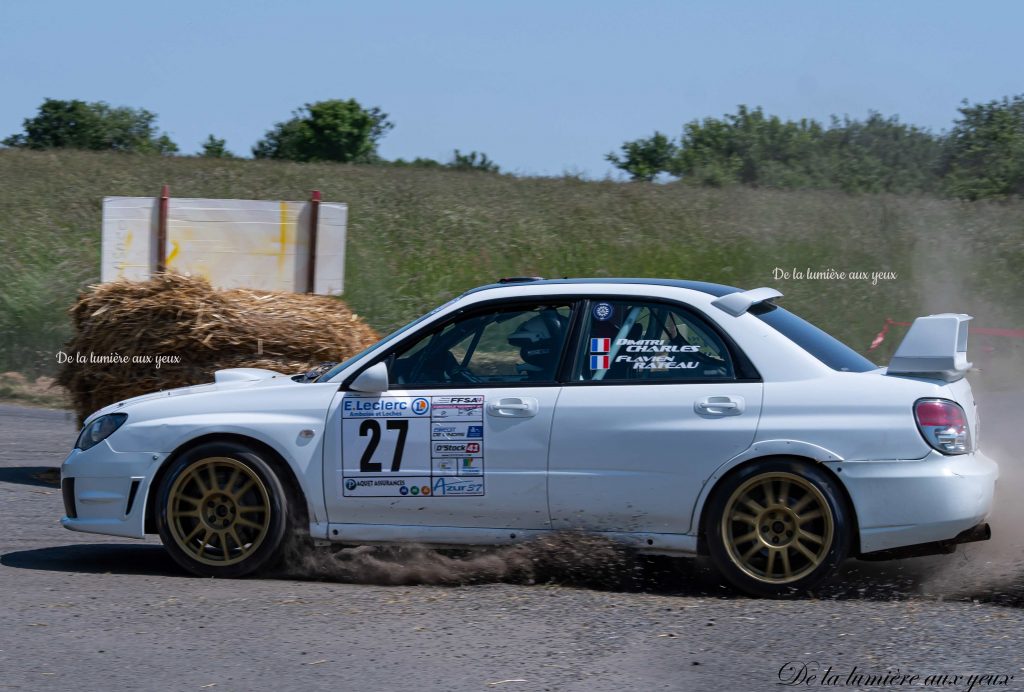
823 346
401 330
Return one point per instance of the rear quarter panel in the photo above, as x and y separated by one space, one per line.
857 416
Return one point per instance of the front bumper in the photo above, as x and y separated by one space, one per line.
910 502
106 491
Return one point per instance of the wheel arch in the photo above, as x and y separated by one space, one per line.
720 477
276 460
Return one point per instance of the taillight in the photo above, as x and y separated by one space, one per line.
943 425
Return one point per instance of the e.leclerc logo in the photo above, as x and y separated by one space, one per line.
420 406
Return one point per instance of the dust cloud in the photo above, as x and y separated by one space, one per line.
565 557
989 571
993 571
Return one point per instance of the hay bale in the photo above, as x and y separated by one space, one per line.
205 329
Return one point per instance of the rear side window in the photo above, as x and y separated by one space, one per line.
826 348
646 341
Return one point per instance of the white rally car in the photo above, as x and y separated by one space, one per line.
678 417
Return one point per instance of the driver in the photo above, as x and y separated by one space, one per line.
539 339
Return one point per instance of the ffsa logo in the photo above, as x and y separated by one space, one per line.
420 406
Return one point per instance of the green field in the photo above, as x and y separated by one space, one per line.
418 237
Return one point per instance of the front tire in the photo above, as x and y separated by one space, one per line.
778 527
222 511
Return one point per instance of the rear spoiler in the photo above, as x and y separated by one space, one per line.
738 303
935 346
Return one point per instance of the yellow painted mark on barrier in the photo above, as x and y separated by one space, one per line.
284 239
175 249
121 250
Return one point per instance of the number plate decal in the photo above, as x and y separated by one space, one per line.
412 446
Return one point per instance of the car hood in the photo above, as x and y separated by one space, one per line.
232 378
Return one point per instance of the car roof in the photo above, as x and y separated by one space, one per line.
717 290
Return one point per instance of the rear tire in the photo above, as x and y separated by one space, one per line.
778 527
222 511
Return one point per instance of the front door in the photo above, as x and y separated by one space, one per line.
461 437
657 400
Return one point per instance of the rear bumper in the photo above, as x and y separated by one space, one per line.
909 502
981 532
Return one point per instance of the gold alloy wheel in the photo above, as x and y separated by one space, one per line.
218 511
777 527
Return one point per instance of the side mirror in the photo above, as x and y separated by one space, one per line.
373 380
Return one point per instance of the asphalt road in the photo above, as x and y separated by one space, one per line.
88 612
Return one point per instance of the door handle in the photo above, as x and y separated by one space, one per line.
728 405
719 406
513 407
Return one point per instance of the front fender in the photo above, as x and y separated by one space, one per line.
278 432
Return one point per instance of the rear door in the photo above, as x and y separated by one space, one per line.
461 437
658 398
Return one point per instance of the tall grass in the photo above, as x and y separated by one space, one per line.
419 237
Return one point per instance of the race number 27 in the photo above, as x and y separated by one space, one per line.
371 427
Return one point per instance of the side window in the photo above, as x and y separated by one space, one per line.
520 344
648 341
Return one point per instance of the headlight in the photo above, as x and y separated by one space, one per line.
99 430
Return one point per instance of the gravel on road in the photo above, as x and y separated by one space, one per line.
92 612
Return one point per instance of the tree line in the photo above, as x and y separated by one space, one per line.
981 157
333 130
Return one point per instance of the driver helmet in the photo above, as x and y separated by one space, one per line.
539 341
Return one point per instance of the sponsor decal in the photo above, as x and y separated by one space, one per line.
422 441
656 363
448 487
471 466
653 346
443 431
382 486
384 407
453 430
458 412
445 467
456 408
603 312
458 466
456 449
477 399
599 362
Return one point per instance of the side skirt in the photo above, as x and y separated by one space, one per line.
444 536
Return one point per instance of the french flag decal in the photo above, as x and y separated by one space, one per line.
600 346
599 362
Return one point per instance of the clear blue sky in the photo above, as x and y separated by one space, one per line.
542 87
